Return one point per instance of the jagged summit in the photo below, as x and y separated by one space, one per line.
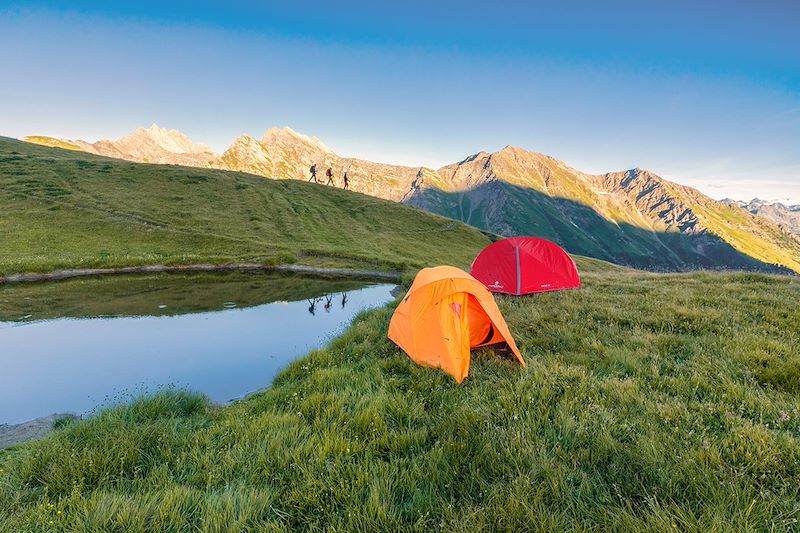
146 145
244 139
528 157
787 216
169 140
512 149
285 133
639 172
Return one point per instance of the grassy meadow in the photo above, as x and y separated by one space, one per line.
651 402
66 209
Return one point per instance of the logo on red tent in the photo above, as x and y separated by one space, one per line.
525 265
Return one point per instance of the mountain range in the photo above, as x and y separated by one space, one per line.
633 217
787 216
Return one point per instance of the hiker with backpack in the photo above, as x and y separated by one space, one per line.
329 173
313 171
346 182
417 183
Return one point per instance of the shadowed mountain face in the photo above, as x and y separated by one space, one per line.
633 218
582 230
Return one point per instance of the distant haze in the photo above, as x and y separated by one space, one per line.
706 95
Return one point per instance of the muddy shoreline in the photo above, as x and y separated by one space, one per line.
302 269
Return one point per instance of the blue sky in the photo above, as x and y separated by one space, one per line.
704 93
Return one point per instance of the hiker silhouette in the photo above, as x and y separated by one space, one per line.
344 299
313 171
329 173
417 183
346 182
328 301
312 304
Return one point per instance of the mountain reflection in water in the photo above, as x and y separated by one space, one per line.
71 346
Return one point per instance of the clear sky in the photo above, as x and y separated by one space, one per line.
703 93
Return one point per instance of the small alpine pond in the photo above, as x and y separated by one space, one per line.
80 344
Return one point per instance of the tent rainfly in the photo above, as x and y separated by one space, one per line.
446 313
525 265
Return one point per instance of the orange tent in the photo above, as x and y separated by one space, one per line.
446 313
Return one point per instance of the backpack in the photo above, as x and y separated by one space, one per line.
329 173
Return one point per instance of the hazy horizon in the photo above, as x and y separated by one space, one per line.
703 95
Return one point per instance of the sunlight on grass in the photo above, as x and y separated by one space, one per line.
651 402
62 209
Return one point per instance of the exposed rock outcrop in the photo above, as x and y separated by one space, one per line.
787 216
145 145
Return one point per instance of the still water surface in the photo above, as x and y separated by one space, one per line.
73 346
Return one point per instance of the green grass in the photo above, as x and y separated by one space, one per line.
650 403
67 209
753 235
52 142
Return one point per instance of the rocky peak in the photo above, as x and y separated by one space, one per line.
635 177
469 173
246 154
511 149
172 141
651 194
759 203
244 141
787 216
529 155
286 135
516 151
470 159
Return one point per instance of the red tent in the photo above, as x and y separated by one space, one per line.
524 265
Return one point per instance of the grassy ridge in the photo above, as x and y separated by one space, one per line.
651 403
52 142
65 209
753 235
